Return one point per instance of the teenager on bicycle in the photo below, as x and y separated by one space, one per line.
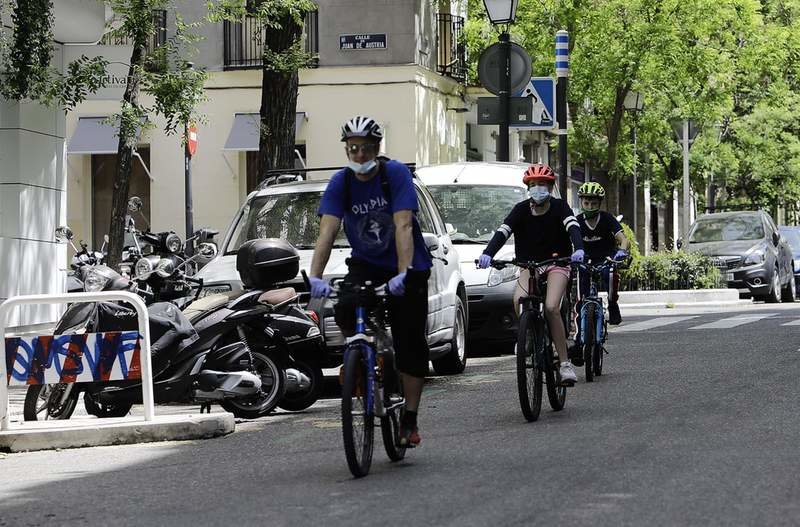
377 202
544 227
602 238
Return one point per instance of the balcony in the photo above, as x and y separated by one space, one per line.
158 39
244 41
452 50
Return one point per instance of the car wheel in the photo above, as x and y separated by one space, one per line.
774 295
790 291
456 360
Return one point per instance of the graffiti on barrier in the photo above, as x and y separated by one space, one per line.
91 357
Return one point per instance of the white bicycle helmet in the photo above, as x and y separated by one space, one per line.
362 126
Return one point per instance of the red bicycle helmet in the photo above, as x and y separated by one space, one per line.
538 172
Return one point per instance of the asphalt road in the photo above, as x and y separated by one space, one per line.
693 423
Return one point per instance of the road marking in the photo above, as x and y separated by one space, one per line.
792 323
652 323
732 322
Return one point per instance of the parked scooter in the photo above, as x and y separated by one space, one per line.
203 360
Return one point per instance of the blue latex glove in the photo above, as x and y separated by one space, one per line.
319 288
621 254
577 256
484 261
397 285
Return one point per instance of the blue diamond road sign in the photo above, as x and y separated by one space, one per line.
543 92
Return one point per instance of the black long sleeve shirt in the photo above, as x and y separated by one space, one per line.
554 234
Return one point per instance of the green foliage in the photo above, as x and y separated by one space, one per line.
25 60
671 270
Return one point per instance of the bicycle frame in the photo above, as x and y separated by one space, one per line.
593 298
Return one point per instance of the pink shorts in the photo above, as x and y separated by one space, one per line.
557 269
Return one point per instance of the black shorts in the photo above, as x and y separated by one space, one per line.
408 314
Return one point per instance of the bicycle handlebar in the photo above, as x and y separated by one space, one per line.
499 264
607 263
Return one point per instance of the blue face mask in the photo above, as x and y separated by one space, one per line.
539 194
362 168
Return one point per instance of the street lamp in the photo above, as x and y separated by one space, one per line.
503 12
686 131
634 102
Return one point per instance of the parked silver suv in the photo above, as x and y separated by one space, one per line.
749 251
289 211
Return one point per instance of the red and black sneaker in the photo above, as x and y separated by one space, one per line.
409 437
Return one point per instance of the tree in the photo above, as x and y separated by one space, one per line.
279 32
164 75
25 59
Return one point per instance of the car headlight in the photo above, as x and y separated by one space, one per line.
144 267
499 276
755 257
165 268
173 243
94 281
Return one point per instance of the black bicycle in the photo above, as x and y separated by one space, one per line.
537 360
592 323
371 386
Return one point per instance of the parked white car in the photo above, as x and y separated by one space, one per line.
474 199
289 211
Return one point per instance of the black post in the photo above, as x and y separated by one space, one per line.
561 111
187 171
505 94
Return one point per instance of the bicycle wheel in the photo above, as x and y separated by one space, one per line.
556 394
357 420
390 430
588 344
529 372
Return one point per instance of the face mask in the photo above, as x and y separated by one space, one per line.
538 194
360 168
589 214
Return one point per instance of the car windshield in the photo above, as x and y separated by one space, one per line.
291 217
727 229
793 237
475 211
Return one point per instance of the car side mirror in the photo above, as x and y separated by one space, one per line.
431 241
450 229
679 243
208 250
776 239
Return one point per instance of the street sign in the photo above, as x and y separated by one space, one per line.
491 62
542 93
364 41
519 110
191 139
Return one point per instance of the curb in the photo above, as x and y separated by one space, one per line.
680 298
79 433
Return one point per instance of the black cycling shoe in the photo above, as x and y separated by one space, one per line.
614 318
575 353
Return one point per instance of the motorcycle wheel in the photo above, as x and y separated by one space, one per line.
103 411
273 386
47 398
294 402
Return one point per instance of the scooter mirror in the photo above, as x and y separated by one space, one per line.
106 238
135 204
64 234
208 250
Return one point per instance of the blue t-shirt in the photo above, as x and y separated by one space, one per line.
369 220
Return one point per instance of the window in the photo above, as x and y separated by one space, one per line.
423 214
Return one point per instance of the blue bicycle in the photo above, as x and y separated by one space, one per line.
370 385
592 323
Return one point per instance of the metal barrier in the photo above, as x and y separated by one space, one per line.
144 332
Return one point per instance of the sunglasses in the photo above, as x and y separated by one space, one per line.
366 148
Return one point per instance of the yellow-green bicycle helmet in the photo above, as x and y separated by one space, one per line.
591 189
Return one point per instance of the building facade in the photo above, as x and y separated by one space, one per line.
399 61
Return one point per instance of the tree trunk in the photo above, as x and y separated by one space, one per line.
127 142
615 127
278 102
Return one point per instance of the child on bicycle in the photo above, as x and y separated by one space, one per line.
544 227
602 238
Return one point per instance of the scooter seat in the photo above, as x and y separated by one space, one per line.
200 307
278 296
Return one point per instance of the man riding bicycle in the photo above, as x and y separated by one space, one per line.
544 227
375 198
603 238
